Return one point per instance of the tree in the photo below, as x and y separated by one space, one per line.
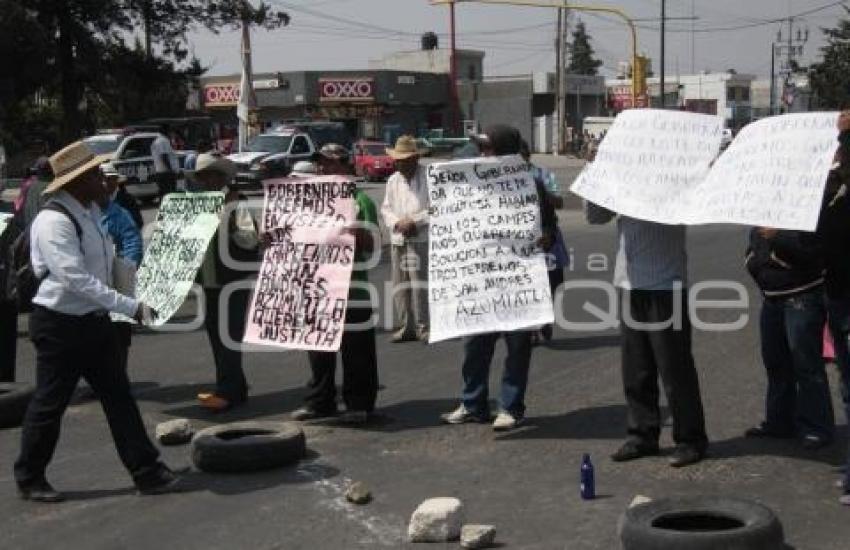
581 53
830 79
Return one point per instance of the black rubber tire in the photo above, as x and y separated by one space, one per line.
759 527
248 446
14 399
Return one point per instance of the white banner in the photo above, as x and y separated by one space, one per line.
486 273
657 165
5 220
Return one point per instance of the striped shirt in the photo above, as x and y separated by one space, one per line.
651 256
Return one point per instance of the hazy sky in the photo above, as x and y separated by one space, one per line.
345 34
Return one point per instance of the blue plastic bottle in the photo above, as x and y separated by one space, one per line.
588 483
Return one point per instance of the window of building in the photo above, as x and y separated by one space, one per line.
471 72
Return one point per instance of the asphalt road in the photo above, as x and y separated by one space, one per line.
524 482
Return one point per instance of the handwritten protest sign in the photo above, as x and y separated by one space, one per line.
486 273
649 163
5 219
656 165
301 293
184 227
772 175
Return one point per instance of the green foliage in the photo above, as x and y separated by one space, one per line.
581 53
830 79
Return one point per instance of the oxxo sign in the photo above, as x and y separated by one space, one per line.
227 95
346 89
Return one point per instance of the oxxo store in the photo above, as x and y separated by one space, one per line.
378 103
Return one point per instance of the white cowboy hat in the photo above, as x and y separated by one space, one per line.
212 162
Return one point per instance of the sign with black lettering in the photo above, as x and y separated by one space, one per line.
301 293
486 272
185 224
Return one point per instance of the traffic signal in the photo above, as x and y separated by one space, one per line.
639 75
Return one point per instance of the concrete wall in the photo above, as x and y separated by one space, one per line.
470 63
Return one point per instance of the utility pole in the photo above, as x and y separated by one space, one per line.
556 136
562 82
791 47
663 33
453 72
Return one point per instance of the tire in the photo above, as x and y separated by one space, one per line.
14 399
701 523
248 446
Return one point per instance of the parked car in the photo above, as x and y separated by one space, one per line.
134 160
371 160
424 146
104 144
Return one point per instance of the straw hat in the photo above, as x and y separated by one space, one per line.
212 162
405 147
72 162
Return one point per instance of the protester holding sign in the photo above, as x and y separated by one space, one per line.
501 140
651 272
215 173
357 348
71 331
405 212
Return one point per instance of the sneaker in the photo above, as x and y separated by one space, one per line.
812 442
762 430
40 491
632 450
215 403
354 417
424 335
685 455
166 481
401 337
309 413
506 421
461 415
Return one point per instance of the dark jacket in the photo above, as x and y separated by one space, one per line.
129 203
548 217
834 224
789 263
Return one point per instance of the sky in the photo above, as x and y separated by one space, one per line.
346 34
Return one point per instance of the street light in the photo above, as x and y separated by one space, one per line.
563 4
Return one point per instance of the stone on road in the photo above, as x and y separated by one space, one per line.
358 493
174 432
436 520
477 536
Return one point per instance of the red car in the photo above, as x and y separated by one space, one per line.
371 160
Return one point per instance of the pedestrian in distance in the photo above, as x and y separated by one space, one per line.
405 213
72 334
651 275
478 349
165 162
357 349
221 267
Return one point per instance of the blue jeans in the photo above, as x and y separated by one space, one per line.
478 353
798 397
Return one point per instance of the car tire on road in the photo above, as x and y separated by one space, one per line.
248 446
14 400
701 523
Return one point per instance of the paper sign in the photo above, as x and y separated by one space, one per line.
656 166
301 294
185 224
486 273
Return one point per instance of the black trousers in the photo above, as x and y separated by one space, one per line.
359 369
230 380
123 339
666 352
67 348
8 340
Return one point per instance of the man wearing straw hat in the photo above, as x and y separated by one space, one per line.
405 212
71 331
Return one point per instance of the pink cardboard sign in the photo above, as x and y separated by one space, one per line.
301 294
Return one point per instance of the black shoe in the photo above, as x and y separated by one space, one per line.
762 430
632 450
166 481
40 491
309 413
685 455
812 442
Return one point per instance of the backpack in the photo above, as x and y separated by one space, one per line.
21 281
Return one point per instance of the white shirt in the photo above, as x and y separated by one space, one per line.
406 199
161 146
78 276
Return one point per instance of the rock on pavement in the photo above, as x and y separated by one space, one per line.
477 536
358 493
174 432
436 520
